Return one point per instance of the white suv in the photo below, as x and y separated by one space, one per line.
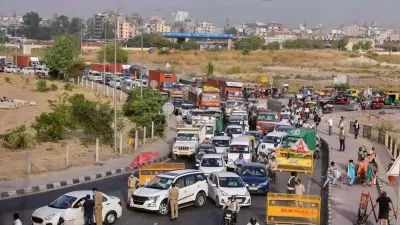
193 189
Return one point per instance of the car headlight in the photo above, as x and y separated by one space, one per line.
247 194
49 217
265 183
224 193
153 199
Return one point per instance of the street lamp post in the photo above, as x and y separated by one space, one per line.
115 77
105 50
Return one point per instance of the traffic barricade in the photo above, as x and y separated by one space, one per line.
149 171
292 161
293 209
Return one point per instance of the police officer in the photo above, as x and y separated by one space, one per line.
98 206
173 196
132 181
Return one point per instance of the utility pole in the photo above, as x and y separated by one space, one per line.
105 50
115 77
141 61
81 23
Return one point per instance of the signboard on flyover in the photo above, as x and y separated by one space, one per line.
293 209
264 79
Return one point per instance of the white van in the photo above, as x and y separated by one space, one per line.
269 141
244 144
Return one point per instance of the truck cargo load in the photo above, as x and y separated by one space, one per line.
22 60
109 67
202 97
229 89
188 138
266 120
165 80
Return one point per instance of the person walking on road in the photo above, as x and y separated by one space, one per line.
98 206
341 122
132 182
16 219
299 190
330 125
373 153
88 210
384 208
173 196
342 138
291 184
370 173
356 127
69 215
331 175
351 172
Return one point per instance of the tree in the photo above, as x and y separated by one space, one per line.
16 138
231 30
190 45
2 37
75 26
60 26
44 33
273 46
143 110
358 46
75 68
367 45
343 43
60 55
31 21
255 42
151 40
210 69
122 55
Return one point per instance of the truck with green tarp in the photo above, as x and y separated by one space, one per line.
309 136
213 120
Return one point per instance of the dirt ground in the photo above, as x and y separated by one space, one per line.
46 156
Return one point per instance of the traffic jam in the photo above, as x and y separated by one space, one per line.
237 137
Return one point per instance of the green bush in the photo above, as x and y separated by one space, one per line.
163 52
246 51
50 127
53 87
16 138
68 87
41 86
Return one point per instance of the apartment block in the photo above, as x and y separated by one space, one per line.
125 29
205 28
162 27
180 16
99 22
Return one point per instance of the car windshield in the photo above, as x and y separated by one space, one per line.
231 182
221 143
235 93
245 117
233 130
271 139
239 149
256 136
186 137
170 85
197 113
62 202
285 116
232 104
236 122
209 130
158 182
211 162
206 150
267 117
186 107
209 97
253 172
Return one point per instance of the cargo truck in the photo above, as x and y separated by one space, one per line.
229 90
187 140
266 120
203 97
165 80
99 67
213 121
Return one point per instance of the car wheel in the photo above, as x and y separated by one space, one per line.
217 202
110 218
200 200
163 209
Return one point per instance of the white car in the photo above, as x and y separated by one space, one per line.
51 214
269 141
222 185
28 71
234 131
184 110
42 70
11 69
193 189
212 163
115 83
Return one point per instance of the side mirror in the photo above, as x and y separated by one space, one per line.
246 185
213 185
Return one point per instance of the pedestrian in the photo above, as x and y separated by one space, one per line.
299 190
370 173
341 122
16 219
330 125
392 179
88 210
291 183
356 127
178 120
373 182
384 208
342 138
69 215
351 172
132 182
373 153
317 119
307 112
361 171
173 196
331 175
360 154
98 206
274 167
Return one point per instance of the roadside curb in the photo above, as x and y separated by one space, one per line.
329 209
66 183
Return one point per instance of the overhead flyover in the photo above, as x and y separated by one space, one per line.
201 37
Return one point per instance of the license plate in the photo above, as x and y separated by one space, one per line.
183 153
253 188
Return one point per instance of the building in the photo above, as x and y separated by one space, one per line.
99 22
205 28
162 27
260 29
180 16
353 30
279 38
125 29
187 26
395 36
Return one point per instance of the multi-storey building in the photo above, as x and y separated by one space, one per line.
180 16
205 28
125 29
99 22
162 27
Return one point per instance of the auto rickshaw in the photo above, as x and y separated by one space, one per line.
392 98
326 105
328 91
320 93
353 94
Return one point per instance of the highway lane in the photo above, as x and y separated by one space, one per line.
116 186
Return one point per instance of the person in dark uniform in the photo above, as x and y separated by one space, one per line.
384 208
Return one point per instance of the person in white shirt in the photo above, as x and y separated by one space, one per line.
16 219
68 215
232 206
330 124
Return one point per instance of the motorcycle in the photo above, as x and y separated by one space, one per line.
228 218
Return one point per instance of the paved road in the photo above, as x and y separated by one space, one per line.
116 186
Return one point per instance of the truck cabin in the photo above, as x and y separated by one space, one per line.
236 120
177 102
234 94
234 104
166 86
266 120
186 135
210 99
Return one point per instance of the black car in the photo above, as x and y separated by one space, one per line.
283 128
204 149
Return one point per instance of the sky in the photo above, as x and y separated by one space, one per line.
291 13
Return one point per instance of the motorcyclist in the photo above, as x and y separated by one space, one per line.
240 160
253 221
233 206
262 158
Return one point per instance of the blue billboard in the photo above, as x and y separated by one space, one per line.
196 35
